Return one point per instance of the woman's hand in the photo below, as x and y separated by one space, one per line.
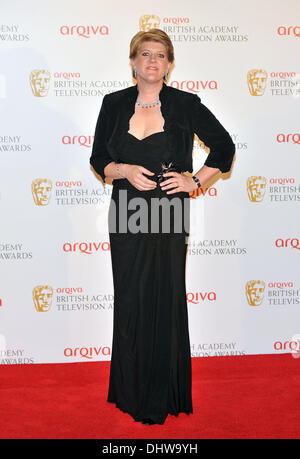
178 182
135 175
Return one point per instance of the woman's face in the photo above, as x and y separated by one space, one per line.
151 62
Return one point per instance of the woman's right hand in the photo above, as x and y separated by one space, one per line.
135 175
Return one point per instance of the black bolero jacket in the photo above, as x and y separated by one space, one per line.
184 116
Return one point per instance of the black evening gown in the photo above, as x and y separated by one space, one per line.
150 370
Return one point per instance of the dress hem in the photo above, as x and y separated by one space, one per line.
141 419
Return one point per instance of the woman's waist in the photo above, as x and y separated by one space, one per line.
158 168
123 190
152 164
124 186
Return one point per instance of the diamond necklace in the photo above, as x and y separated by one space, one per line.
152 104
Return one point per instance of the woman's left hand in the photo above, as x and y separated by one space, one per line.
178 182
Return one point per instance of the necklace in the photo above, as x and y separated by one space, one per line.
152 104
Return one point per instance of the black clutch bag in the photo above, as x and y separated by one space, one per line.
165 167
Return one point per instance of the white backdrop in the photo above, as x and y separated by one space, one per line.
58 60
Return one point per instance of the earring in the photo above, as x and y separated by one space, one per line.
134 72
165 76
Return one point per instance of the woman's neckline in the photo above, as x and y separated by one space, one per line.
147 137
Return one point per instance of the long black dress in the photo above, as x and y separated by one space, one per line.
150 371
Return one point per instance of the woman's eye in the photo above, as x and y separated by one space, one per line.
161 55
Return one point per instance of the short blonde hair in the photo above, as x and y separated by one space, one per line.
152 35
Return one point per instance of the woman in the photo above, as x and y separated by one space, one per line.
144 141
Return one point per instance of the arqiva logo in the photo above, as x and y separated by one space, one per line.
195 298
68 183
83 140
86 247
176 21
287 345
66 75
286 138
194 86
84 31
291 30
293 243
203 192
87 352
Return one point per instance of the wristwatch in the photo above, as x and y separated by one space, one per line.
197 181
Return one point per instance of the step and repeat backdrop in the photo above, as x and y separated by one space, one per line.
58 60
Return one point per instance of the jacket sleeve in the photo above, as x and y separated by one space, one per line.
214 136
100 156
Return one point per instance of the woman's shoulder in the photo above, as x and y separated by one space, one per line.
181 95
115 99
116 96
132 90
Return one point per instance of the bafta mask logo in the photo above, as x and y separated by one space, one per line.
255 292
256 188
257 81
40 82
42 297
149 21
41 191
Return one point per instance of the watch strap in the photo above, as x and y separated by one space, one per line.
197 181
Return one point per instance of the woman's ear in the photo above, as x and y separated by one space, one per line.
132 63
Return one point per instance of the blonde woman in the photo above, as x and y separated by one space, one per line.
144 141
